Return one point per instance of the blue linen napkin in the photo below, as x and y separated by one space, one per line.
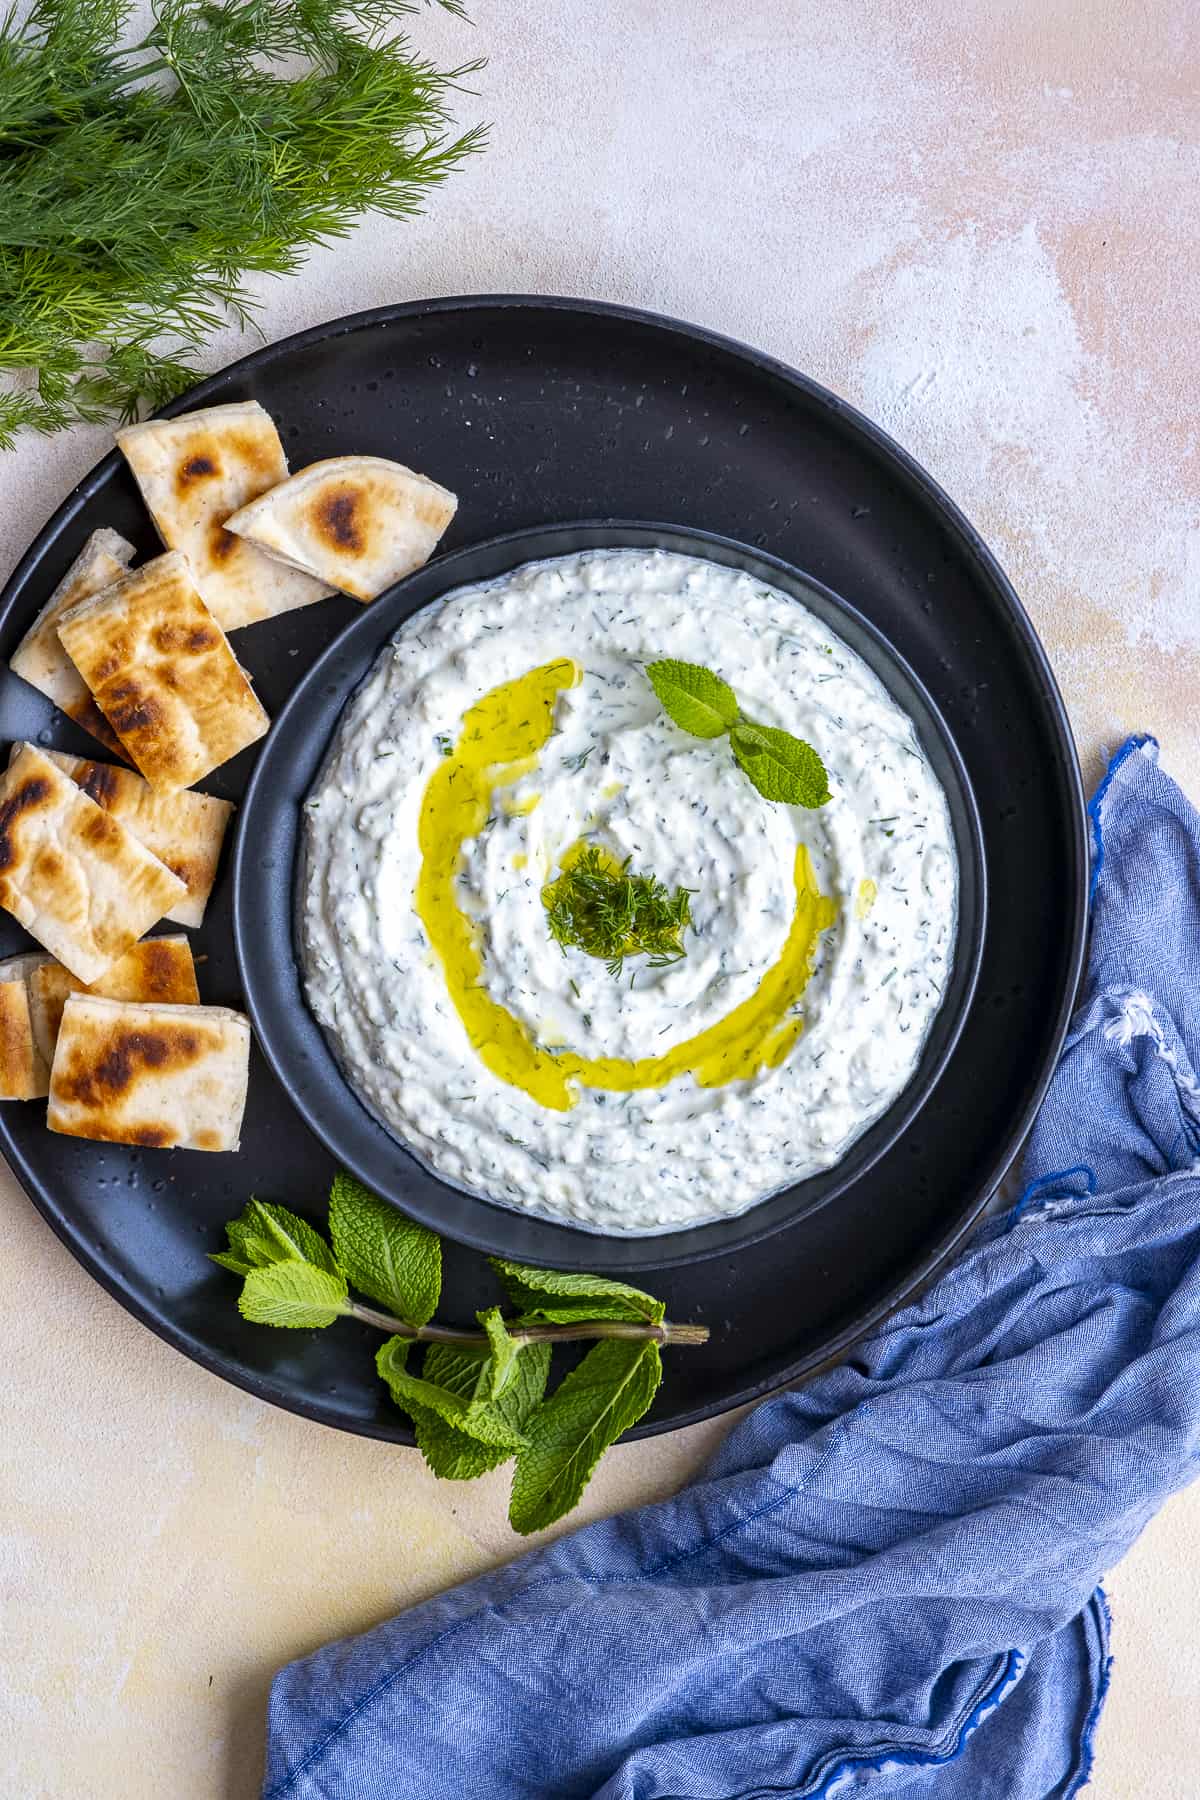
887 1582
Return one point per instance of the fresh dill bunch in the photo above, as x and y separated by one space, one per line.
598 907
141 184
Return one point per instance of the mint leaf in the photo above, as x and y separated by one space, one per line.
229 1259
698 701
782 767
569 1433
550 1297
292 1293
477 1418
504 1352
268 1234
457 1366
386 1256
450 1453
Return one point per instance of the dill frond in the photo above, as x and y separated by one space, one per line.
598 907
141 184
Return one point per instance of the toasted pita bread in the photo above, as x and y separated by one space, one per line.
24 1071
163 1076
158 971
358 522
193 472
73 876
184 830
164 675
40 659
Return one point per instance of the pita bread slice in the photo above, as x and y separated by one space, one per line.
40 659
24 1071
72 875
164 675
358 522
163 1076
184 830
193 472
158 970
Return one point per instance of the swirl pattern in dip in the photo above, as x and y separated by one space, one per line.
508 724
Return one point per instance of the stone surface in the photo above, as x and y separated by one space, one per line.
980 224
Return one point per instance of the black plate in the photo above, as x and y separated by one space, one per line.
265 874
536 411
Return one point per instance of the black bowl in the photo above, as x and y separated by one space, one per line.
266 871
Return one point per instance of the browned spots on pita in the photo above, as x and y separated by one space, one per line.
199 467
154 1137
118 648
99 781
27 796
160 968
221 544
335 517
101 832
182 639
88 714
131 709
128 1055
260 456
48 867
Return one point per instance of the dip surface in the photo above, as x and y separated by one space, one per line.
509 724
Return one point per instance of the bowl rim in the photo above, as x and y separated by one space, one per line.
571 1245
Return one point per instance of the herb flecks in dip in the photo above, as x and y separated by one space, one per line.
466 775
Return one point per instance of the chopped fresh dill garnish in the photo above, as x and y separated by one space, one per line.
600 908
445 743
575 763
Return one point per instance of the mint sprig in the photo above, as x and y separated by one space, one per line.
479 1397
783 768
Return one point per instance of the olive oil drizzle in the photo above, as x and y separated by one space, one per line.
501 738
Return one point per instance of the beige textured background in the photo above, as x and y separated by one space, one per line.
980 223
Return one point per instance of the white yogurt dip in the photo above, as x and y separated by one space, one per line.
820 943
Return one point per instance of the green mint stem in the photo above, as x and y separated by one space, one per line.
666 1333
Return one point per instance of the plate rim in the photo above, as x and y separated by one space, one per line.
987 567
